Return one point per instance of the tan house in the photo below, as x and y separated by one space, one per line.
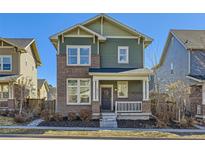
19 60
43 89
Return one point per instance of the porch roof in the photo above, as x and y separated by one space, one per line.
8 77
199 78
120 71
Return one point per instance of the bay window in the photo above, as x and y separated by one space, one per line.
5 63
122 89
4 91
78 91
78 55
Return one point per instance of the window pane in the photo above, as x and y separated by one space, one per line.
72 55
72 90
84 99
5 88
122 89
72 82
5 95
72 60
84 82
123 58
72 98
84 60
123 51
84 51
72 51
84 55
84 90
6 63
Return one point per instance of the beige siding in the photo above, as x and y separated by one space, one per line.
15 60
42 92
29 70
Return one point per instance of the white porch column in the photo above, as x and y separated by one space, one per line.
203 94
145 90
95 90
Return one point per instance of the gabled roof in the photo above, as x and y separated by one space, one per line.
42 82
22 44
132 30
189 39
54 37
19 42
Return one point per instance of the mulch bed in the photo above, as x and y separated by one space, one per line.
136 123
66 123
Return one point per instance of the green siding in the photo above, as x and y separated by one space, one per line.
78 41
109 53
135 90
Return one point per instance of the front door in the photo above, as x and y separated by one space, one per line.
106 98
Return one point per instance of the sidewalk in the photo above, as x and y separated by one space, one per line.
96 129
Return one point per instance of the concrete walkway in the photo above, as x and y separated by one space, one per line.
96 129
35 122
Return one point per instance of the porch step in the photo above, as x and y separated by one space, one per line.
108 120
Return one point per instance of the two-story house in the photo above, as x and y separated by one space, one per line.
183 59
100 67
43 89
19 60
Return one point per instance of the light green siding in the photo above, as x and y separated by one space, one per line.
78 41
109 53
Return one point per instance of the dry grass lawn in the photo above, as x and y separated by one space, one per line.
101 134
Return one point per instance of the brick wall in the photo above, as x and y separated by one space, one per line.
64 72
196 99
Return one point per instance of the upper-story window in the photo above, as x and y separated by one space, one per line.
78 55
5 63
123 54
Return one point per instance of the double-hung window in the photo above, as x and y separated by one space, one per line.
5 63
78 55
78 91
122 89
4 91
123 54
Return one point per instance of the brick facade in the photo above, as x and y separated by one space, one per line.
196 99
64 72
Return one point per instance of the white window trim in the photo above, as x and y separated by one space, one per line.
5 99
78 91
127 49
1 61
78 54
124 82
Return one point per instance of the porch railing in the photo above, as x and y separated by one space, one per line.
128 106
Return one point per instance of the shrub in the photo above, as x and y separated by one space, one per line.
72 116
85 115
45 115
19 118
57 117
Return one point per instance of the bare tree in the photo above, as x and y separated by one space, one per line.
179 92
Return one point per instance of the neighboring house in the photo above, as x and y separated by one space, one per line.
19 60
183 59
52 93
100 67
43 89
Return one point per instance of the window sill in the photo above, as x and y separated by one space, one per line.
122 96
4 100
123 62
78 104
78 65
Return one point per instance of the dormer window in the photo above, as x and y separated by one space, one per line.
123 54
5 63
78 55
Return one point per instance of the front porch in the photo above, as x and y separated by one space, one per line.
125 95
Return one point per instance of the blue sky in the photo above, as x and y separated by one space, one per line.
41 26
